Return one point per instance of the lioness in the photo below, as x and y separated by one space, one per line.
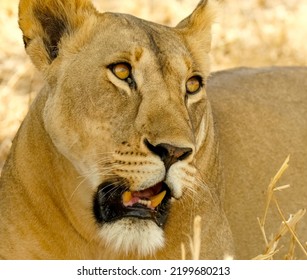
119 151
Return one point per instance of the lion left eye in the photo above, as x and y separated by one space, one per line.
193 85
121 70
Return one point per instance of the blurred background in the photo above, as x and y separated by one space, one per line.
246 33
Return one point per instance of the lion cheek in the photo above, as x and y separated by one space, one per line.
178 176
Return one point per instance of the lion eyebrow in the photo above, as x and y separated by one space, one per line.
189 63
138 53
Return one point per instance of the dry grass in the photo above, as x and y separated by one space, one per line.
286 226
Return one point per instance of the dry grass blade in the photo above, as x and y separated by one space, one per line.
291 250
272 186
195 242
291 224
196 238
270 192
267 256
183 253
286 225
281 188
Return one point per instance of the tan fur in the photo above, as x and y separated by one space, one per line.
261 117
86 126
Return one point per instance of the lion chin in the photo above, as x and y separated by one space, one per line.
142 237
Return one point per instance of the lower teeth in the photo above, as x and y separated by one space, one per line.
145 202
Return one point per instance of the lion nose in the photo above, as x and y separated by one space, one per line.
169 154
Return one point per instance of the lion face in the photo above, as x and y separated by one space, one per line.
128 108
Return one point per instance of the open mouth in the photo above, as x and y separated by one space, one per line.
113 202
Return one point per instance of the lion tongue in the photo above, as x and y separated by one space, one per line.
130 198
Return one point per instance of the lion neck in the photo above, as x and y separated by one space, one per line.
43 183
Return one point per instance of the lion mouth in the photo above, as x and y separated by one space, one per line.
112 202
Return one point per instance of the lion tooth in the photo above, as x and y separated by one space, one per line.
157 199
127 196
144 202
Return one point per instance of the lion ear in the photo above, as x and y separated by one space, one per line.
196 28
45 22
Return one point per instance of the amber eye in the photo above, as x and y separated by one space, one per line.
193 85
121 70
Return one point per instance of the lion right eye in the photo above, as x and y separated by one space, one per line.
193 85
121 70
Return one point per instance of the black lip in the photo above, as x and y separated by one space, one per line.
108 206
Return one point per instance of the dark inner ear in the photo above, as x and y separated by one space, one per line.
54 28
26 40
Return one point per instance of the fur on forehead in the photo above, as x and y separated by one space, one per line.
46 24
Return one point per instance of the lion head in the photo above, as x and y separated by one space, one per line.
125 106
